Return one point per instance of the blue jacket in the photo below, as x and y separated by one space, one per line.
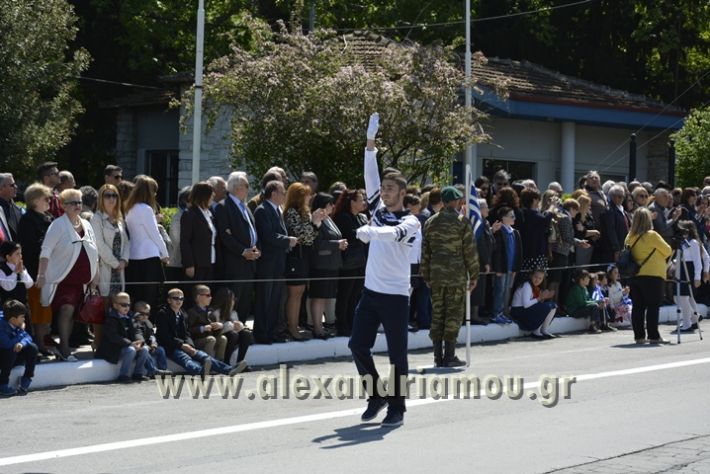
11 335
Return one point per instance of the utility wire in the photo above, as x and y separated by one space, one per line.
474 20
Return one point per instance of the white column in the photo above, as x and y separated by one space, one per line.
567 163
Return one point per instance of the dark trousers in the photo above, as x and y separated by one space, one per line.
238 340
392 311
269 309
591 312
244 294
349 291
145 270
10 358
646 293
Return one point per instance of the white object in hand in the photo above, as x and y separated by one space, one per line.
363 234
373 126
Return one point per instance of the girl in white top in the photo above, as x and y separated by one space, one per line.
148 251
618 297
532 307
691 269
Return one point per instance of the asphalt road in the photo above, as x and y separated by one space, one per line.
653 417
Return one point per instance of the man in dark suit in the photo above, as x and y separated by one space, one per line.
274 242
615 225
238 241
10 213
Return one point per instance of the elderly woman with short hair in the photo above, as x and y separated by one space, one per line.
68 263
31 230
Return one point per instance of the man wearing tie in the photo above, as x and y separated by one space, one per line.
238 239
274 242
9 212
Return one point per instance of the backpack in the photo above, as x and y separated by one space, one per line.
627 266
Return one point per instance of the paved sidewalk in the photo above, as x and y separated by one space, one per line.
690 456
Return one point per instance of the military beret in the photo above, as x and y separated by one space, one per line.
450 193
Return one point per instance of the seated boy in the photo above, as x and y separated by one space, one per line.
157 363
205 329
580 305
16 346
122 341
174 336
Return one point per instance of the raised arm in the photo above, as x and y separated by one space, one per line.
372 172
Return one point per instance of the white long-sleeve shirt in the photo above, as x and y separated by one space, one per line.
9 282
616 293
391 235
691 253
524 296
146 241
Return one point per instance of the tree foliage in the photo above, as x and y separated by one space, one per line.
38 110
692 144
302 102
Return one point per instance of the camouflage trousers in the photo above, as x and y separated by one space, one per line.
447 312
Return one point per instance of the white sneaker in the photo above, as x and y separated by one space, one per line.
238 368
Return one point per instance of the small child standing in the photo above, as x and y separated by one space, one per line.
16 346
506 262
618 297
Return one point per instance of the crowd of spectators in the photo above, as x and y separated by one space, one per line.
286 257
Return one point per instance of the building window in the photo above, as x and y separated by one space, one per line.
516 169
162 165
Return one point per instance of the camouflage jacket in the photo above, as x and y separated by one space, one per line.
449 253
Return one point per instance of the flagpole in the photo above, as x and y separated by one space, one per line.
468 291
470 147
197 111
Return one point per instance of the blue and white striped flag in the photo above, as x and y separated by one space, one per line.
474 210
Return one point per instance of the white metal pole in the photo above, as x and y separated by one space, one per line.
470 147
197 112
468 292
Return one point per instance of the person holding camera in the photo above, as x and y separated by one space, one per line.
649 248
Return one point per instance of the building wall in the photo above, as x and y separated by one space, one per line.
216 146
143 129
604 149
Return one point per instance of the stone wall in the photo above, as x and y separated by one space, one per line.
126 152
215 158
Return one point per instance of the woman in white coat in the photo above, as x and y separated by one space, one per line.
68 263
111 241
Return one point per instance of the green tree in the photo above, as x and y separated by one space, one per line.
692 144
38 110
302 102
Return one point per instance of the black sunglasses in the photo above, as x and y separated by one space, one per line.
124 305
177 298
110 196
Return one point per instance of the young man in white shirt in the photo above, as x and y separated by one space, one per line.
391 233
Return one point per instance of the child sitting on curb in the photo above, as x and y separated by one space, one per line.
580 305
16 346
157 363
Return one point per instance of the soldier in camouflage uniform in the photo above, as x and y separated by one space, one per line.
449 263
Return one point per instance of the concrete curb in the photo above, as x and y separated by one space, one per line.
57 374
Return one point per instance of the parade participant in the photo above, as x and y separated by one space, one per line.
448 242
385 299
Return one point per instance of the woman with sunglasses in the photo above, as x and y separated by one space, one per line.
68 262
31 231
112 244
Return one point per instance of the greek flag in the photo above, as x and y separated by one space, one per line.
474 210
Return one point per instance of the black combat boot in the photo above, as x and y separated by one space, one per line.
438 354
450 359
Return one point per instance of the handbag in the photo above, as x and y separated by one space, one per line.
92 309
627 266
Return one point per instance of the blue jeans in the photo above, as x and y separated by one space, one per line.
128 355
193 365
157 361
501 293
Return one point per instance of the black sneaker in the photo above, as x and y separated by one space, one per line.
393 419
374 406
